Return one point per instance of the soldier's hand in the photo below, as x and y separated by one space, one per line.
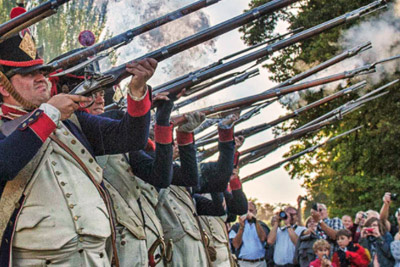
142 71
67 104
194 119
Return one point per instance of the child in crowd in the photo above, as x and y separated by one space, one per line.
349 254
322 249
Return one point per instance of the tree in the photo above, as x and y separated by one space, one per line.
352 173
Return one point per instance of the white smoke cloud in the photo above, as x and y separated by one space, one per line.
383 31
124 15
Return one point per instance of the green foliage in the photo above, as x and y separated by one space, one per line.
59 33
352 173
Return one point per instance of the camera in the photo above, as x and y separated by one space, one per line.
369 230
282 215
364 215
393 196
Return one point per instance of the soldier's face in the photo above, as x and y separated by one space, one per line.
33 87
97 107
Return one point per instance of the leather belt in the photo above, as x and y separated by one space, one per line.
255 260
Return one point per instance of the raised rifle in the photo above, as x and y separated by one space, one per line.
295 156
259 151
275 93
117 74
236 80
265 126
23 21
330 62
268 50
122 39
222 60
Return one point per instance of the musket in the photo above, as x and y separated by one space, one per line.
257 152
274 93
344 106
117 74
236 80
295 156
23 21
123 38
268 50
330 62
222 60
265 126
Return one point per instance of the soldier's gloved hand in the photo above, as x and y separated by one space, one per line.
164 109
228 121
194 120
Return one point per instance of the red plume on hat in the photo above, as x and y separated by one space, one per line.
16 11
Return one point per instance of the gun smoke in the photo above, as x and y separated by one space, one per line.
124 15
383 31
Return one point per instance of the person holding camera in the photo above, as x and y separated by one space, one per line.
326 228
285 238
372 239
248 239
384 214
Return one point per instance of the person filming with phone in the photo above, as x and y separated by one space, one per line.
372 239
249 238
285 237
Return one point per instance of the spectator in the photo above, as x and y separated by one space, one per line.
327 227
285 238
322 250
372 239
358 224
347 221
249 238
395 250
349 254
304 253
384 215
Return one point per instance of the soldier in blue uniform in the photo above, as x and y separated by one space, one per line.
53 205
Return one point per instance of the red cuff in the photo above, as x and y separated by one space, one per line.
163 134
151 146
225 135
139 108
235 183
43 126
184 138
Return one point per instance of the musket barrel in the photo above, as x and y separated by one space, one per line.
29 18
119 73
127 36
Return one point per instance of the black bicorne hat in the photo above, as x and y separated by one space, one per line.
18 55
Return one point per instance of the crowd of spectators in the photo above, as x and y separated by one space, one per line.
367 239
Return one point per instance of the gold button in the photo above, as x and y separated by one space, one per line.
58 173
71 206
17 205
37 113
98 169
73 141
123 160
83 151
123 242
80 230
80 239
24 125
76 218
68 195
108 186
151 188
66 133
63 184
30 120
54 163
122 236
91 160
